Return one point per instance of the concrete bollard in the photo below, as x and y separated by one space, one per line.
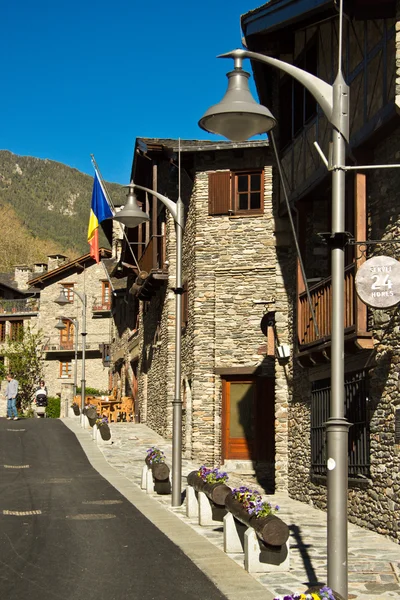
192 504
149 482
94 432
209 513
233 535
259 558
144 477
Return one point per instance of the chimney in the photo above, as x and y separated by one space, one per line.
22 274
55 261
39 268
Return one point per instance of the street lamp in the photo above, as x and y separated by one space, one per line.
240 120
62 300
132 216
61 326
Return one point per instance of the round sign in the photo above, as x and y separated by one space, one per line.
378 282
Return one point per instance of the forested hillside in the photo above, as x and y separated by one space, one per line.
44 207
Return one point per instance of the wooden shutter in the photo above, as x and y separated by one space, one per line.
185 305
219 193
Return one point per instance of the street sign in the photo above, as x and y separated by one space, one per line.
378 282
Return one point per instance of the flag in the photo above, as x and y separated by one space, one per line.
99 211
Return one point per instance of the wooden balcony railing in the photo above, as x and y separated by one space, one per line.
153 255
321 299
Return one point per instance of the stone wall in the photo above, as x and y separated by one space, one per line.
228 263
98 329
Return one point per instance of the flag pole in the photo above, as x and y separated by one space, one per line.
96 168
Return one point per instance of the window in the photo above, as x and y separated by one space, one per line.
236 192
16 330
65 369
2 332
67 336
356 412
296 105
105 293
68 287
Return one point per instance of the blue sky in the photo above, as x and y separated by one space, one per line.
83 77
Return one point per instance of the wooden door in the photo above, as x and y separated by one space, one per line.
248 418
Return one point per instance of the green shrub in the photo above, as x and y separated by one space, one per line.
89 391
53 407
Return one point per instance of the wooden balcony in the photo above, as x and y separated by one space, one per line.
153 271
19 307
355 316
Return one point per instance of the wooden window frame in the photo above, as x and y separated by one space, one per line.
68 369
223 194
2 331
67 335
67 287
236 194
105 293
15 327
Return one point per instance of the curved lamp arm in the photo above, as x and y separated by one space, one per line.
320 90
170 204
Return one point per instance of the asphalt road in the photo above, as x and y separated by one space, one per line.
67 534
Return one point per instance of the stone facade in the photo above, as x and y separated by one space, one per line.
373 499
87 280
230 265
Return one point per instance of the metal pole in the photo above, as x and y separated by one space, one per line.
177 402
83 380
337 427
76 325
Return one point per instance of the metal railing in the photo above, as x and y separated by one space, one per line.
20 306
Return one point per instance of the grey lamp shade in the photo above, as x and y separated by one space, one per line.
62 299
238 116
131 215
60 325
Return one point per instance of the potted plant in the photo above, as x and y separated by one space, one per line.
314 593
76 409
155 460
248 507
90 411
212 482
104 428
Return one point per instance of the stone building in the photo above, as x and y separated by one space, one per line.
235 253
85 277
306 35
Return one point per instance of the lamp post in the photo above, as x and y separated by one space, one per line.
62 300
61 326
132 216
238 116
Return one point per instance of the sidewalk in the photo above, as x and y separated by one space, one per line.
374 561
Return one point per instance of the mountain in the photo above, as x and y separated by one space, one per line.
45 208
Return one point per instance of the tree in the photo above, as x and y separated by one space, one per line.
25 361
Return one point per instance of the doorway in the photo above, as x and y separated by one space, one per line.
248 418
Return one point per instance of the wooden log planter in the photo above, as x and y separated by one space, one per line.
91 414
270 529
105 431
216 492
160 470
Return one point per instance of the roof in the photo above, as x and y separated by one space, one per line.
7 280
278 14
111 265
47 276
154 144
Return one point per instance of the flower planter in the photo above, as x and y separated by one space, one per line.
91 413
160 470
270 529
216 492
76 410
105 432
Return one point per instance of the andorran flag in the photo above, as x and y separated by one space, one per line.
99 211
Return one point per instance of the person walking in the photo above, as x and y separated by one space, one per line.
11 395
